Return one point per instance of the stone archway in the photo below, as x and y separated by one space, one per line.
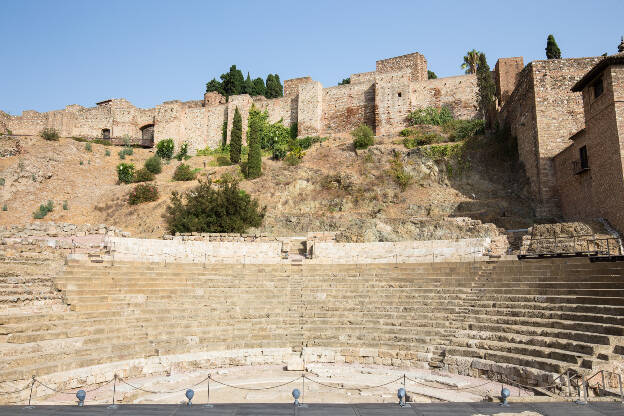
147 135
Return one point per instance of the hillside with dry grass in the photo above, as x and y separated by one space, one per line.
394 190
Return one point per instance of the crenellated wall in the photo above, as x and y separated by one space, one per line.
381 99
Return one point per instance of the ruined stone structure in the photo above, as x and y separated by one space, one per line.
381 99
536 103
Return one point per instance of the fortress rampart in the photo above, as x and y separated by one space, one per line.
381 99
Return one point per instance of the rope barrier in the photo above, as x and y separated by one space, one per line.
254 388
73 391
450 388
352 388
15 391
161 392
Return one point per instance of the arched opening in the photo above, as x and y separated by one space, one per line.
106 134
147 135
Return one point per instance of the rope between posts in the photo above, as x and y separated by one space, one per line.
160 392
450 388
74 391
352 388
255 388
16 391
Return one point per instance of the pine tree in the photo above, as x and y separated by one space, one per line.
274 88
258 87
486 86
552 49
232 81
214 85
254 160
248 86
236 137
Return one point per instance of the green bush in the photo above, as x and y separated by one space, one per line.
81 163
362 137
43 210
210 209
165 148
399 175
126 151
5 207
2 181
306 142
154 164
184 173
65 206
88 147
183 153
422 139
294 157
144 192
125 172
294 130
430 115
143 175
406 132
463 129
50 134
107 152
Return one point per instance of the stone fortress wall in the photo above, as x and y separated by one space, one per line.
381 99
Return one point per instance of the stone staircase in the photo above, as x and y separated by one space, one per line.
506 320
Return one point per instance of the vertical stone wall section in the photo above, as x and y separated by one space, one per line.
506 74
415 62
310 108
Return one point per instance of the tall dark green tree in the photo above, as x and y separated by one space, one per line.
254 160
236 137
486 86
248 87
258 87
274 88
552 49
214 85
431 75
232 81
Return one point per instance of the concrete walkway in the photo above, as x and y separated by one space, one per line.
431 409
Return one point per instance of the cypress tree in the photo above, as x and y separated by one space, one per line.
485 83
279 86
254 159
552 49
258 87
236 138
270 86
248 87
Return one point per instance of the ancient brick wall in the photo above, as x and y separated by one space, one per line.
392 101
309 109
368 77
291 86
347 106
213 98
284 108
414 62
456 93
506 74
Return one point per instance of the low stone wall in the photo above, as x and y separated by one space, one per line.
401 252
134 249
60 236
226 248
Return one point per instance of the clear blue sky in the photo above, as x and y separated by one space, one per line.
56 53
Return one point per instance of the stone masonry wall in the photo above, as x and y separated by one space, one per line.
456 93
368 77
347 106
559 115
506 74
310 109
392 101
599 191
415 63
291 86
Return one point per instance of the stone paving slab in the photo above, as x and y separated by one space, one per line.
429 409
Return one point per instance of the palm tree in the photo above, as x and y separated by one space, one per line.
470 61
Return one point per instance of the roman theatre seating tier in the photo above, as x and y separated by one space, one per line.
526 320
